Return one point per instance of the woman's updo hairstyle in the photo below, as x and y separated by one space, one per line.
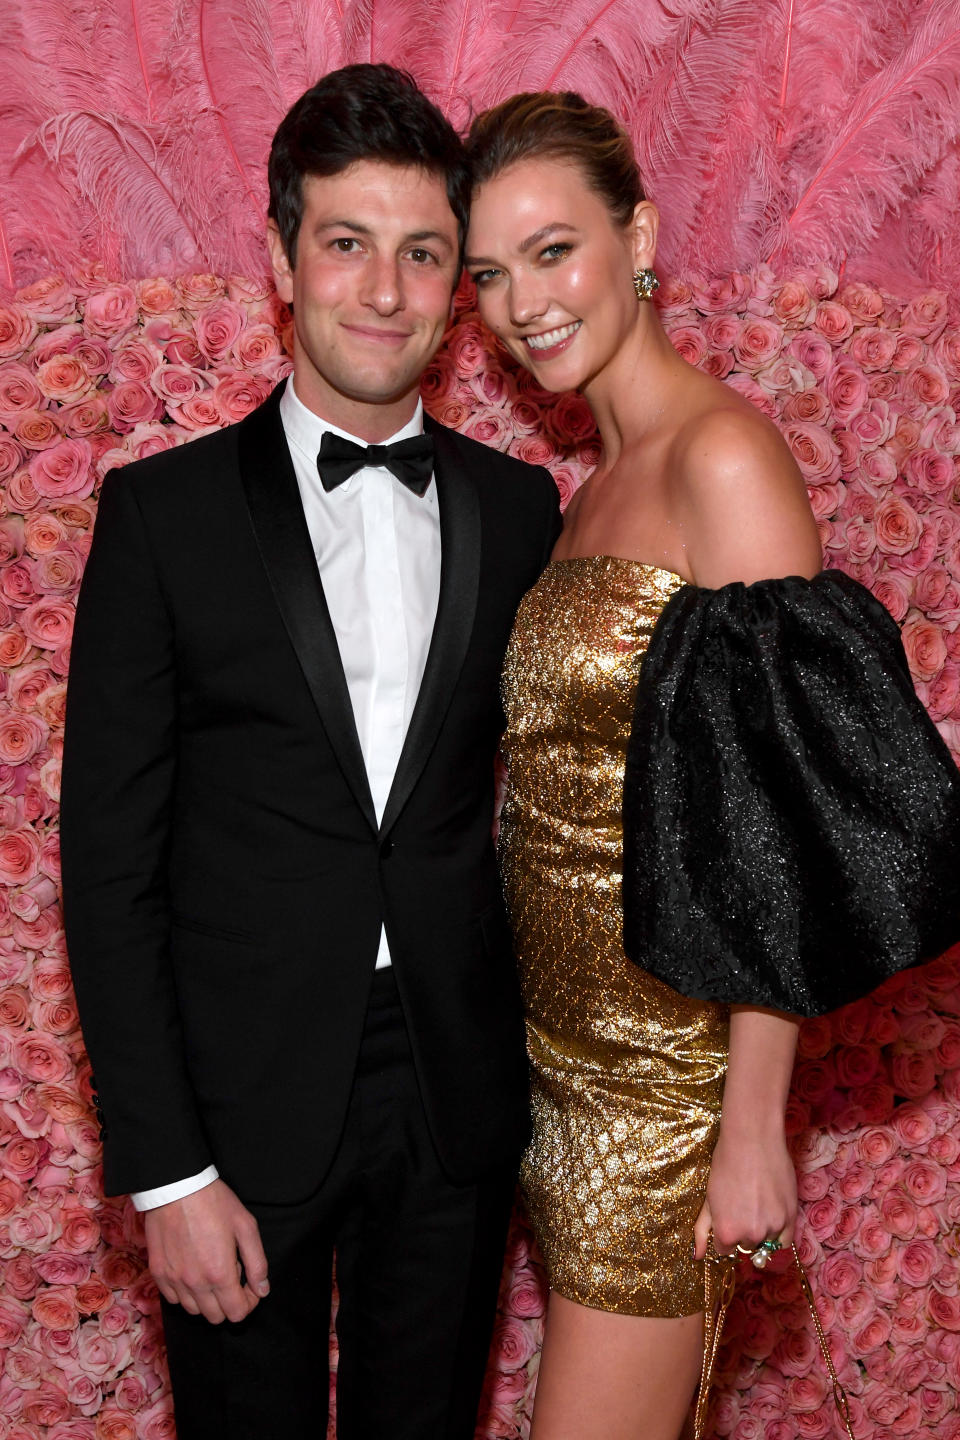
559 125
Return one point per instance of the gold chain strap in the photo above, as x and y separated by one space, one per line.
719 1281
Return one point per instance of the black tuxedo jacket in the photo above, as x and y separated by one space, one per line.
224 876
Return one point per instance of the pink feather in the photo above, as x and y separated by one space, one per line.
897 128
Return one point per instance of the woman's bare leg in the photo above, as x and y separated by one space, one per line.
615 1377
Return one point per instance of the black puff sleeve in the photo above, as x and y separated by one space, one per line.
791 815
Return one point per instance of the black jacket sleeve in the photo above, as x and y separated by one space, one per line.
117 795
791 814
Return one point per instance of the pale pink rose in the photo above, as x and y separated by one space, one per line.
41 1058
112 459
61 340
48 623
824 500
783 373
932 472
807 405
115 1425
17 331
48 299
218 328
925 646
947 351
19 857
135 359
878 468
814 450
673 295
899 1214
64 379
863 302
21 736
804 1393
893 592
925 315
792 304
922 554
63 469
111 313
157 1423
56 1268
182 349
59 571
157 297
534 450
37 429
255 345
721 293
813 352
918 1263
238 393
907 353
927 384
924 1182
944 1310
860 540
757 344
86 417
897 526
12 532
689 343
19 392
846 390
873 424
873 348
840 1274
720 331
822 1216
150 437
11 457
834 322
130 403
81 1232
16 583
197 291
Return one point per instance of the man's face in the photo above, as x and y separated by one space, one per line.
377 263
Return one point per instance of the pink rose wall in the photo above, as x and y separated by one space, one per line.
815 249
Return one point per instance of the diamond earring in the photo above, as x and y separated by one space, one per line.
645 282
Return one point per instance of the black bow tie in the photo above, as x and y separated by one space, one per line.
411 460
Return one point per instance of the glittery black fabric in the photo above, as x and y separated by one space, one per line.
791 815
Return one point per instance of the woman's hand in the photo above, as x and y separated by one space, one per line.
752 1189
751 1194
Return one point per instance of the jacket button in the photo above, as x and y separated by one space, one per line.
386 849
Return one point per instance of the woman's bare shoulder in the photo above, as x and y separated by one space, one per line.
746 512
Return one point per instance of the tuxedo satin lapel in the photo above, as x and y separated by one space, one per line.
273 498
456 607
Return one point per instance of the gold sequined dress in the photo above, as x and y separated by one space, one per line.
627 1074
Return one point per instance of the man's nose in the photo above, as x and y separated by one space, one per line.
383 285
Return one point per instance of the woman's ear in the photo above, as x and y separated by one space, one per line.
644 228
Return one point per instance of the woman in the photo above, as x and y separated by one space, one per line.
658 1115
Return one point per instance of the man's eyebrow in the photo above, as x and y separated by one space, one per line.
414 238
524 245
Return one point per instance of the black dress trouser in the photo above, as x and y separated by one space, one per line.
418 1264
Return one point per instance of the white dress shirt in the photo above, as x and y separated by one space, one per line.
377 547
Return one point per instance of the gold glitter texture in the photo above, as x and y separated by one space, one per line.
627 1075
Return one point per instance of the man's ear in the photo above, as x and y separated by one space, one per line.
279 263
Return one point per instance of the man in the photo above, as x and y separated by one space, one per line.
286 930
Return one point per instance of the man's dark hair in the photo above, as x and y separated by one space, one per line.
362 112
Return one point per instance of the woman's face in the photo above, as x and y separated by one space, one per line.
553 270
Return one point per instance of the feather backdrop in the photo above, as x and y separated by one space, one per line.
133 133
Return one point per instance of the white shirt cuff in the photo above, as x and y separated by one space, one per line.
176 1190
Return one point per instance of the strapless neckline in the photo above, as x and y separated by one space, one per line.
620 560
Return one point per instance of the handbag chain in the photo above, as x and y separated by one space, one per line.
719 1282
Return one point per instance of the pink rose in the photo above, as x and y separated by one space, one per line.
197 291
878 468
571 420
807 405
834 322
41 1058
757 344
64 469
63 379
925 646
11 456
931 471
135 359
717 363
238 393
111 312
721 293
924 1182
56 1268
56 1309
534 450
36 429
182 349
17 331
688 343
19 857
86 417
746 386
863 302
908 351
157 297
218 327
19 391
944 1310
814 450
893 592
21 736
918 1263
873 424
49 299
927 385
792 304
898 527
176 384
92 1296
255 345
846 390
115 1425
813 352
130 403
48 623
840 1274
873 348
721 331
490 427
925 315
